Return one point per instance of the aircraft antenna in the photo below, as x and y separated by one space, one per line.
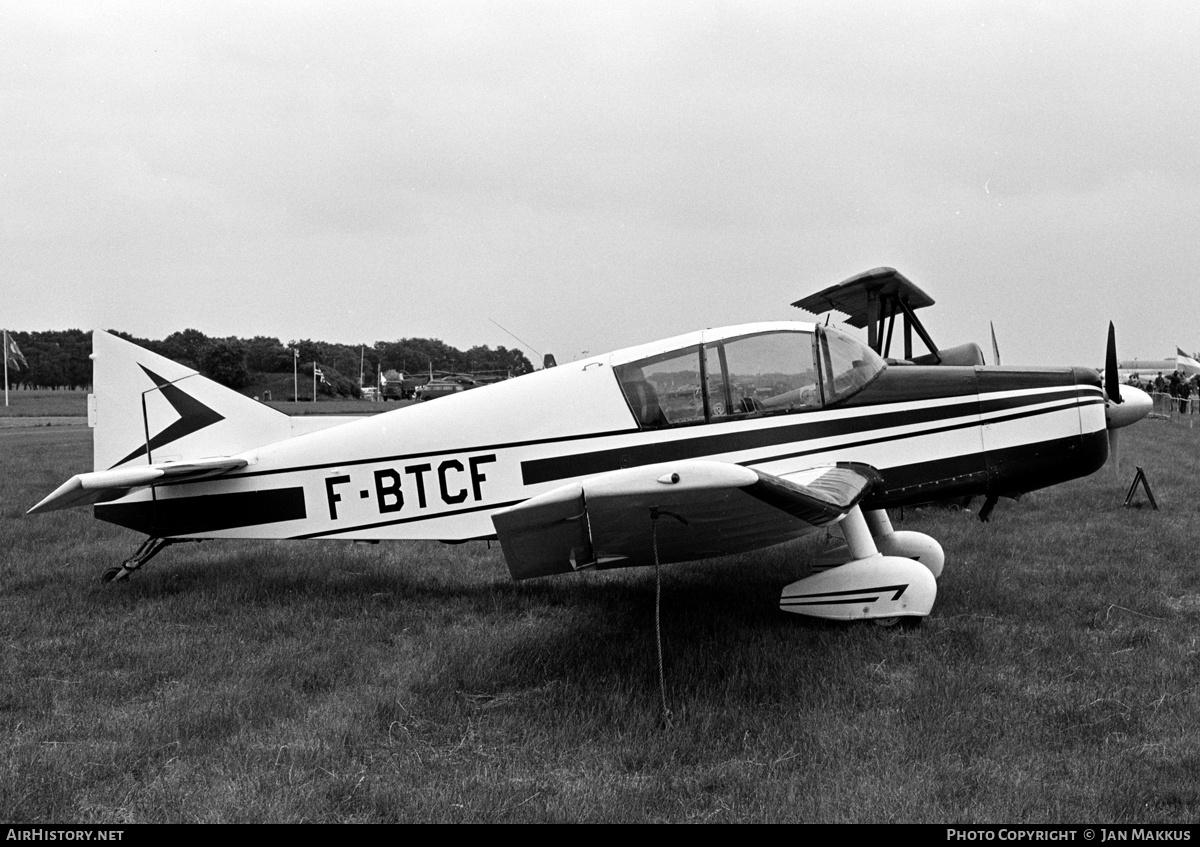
522 343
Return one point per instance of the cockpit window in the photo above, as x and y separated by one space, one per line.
768 372
846 364
664 390
765 373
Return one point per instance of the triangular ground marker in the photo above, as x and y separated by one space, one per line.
1140 476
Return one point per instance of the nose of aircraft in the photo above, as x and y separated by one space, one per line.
1135 404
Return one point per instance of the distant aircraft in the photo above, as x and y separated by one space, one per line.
1145 370
716 442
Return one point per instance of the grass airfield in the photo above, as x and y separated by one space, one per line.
1055 681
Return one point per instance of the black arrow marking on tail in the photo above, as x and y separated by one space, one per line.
193 417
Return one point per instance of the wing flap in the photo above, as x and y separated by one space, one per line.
687 510
86 489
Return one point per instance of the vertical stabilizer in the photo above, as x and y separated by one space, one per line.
150 409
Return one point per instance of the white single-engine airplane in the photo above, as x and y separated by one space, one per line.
716 442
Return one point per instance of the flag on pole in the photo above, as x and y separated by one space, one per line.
319 374
1185 363
13 357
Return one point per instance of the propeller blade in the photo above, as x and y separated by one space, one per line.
995 346
1112 380
1126 404
1114 450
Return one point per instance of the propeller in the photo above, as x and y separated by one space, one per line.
1124 405
1112 381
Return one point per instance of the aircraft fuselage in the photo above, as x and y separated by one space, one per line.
441 469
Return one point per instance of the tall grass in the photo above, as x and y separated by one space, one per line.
1055 680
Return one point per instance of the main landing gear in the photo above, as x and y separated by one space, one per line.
149 549
878 574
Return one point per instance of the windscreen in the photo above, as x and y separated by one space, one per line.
846 363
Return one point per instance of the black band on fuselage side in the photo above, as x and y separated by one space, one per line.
712 442
975 458
594 462
183 516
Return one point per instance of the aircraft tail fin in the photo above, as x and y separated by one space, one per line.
149 410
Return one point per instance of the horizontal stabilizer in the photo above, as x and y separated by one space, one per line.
671 512
86 489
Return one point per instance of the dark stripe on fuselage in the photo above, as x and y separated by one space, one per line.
973 457
538 471
176 516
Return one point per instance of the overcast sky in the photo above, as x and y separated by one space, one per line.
594 175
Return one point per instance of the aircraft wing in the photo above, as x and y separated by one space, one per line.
101 486
853 296
690 510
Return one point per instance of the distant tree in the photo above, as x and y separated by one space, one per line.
224 360
268 355
416 355
78 346
186 347
498 361
60 358
56 359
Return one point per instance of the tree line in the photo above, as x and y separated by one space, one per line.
58 359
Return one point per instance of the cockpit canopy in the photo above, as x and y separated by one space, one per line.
760 373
